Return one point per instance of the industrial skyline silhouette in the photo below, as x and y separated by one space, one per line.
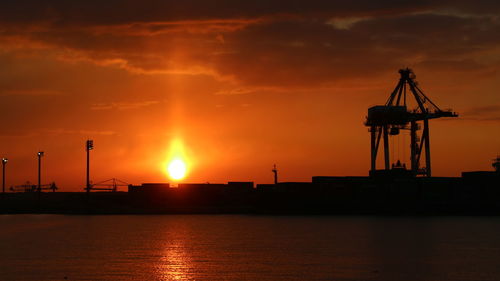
395 189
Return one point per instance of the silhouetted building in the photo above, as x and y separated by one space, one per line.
240 185
149 188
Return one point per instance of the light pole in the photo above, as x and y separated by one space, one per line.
4 161
89 146
40 154
275 171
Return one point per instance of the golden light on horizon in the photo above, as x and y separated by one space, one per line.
177 169
177 164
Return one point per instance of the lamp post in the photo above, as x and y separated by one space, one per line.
40 154
89 146
275 171
4 161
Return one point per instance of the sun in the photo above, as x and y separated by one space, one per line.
177 169
177 163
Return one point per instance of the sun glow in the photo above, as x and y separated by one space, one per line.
177 164
177 169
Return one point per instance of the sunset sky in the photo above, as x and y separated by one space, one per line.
238 86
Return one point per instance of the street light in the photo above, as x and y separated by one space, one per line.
4 161
88 147
40 154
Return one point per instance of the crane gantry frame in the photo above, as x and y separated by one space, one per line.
389 119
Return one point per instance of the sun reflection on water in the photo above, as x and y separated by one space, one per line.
175 264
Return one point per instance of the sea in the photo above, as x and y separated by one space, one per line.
248 247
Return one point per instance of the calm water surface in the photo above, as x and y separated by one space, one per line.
205 247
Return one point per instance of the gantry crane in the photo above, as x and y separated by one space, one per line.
29 187
107 185
389 119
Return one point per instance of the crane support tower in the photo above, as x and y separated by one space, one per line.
389 119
